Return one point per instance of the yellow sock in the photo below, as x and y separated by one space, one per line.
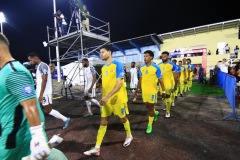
127 128
168 103
101 132
150 121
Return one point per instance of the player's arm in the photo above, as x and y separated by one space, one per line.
175 75
20 84
119 84
43 86
31 111
93 71
138 85
159 76
44 72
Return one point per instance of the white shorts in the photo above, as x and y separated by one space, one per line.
91 95
133 84
47 99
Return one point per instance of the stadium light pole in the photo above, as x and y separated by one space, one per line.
2 20
56 36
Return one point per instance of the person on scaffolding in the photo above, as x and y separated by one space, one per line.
85 19
62 24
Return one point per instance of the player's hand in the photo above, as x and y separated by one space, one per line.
38 145
185 82
40 98
188 79
163 95
90 90
103 101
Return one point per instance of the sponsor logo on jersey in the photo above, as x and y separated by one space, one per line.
27 90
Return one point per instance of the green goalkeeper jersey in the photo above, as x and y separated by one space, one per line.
16 86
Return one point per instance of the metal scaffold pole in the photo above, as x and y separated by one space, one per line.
57 49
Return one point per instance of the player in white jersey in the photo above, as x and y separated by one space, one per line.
44 88
134 77
90 85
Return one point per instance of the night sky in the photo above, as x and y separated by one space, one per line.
27 19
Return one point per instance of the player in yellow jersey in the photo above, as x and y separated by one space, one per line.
114 98
169 77
184 64
178 76
149 74
182 78
190 73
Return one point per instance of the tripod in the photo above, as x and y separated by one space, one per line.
66 87
76 15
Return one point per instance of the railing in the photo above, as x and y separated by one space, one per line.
228 84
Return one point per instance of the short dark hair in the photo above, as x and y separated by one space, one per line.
85 59
180 61
174 60
134 62
4 40
189 59
150 53
165 52
33 54
108 47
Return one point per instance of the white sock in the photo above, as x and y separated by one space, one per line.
97 147
96 102
58 115
88 103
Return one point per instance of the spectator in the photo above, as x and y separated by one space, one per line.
223 65
227 49
217 51
237 66
236 51
85 19
238 75
200 74
232 71
209 52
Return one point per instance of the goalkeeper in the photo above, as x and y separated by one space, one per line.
21 118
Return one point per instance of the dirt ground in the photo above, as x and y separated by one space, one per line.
195 131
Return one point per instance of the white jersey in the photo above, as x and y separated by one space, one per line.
134 78
88 76
43 69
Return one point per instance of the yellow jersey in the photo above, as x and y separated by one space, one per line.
167 70
183 71
191 67
110 73
150 75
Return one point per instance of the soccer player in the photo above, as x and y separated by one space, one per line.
190 73
21 131
182 78
184 64
44 88
178 76
150 74
133 77
169 77
114 98
90 85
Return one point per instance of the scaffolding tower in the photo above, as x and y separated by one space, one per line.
79 43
